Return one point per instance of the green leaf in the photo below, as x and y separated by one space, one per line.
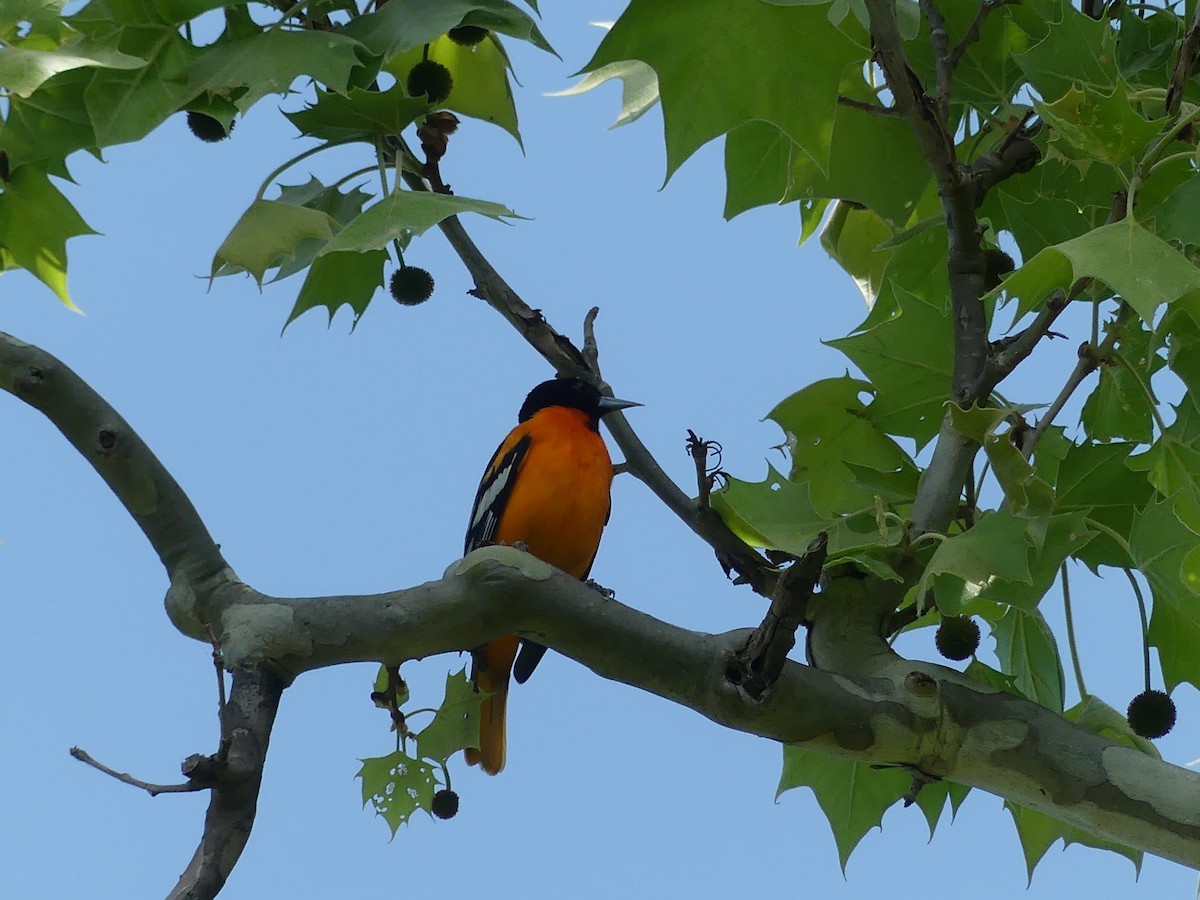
358 114
909 358
1038 831
269 61
481 89
36 221
383 685
335 280
267 235
827 428
932 798
639 88
1119 408
401 25
1143 269
1077 50
126 105
409 213
708 93
23 71
774 512
852 795
1095 479
1027 650
456 724
397 786
1164 550
49 125
853 237
1098 126
995 547
341 207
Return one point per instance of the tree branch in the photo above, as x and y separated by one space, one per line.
953 728
971 35
866 703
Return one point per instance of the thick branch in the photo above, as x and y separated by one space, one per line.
938 721
246 723
97 431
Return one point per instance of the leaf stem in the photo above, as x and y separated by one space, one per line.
1141 602
1066 592
284 166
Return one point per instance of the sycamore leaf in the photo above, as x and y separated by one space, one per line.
708 90
36 221
828 427
1145 270
853 795
408 212
342 279
1078 50
994 548
50 125
1037 832
126 105
358 114
932 799
1165 551
908 357
23 71
1098 126
853 237
267 235
1027 651
341 207
639 88
401 25
397 786
481 89
456 724
267 62
1095 479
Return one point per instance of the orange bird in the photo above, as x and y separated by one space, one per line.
547 486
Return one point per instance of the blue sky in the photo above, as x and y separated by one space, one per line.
331 462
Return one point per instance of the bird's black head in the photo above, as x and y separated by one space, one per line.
573 393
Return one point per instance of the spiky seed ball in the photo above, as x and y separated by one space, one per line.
997 264
411 285
957 637
445 804
467 35
207 128
430 79
1151 714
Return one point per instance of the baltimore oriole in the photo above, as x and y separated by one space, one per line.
546 487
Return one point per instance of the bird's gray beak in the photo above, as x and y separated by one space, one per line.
611 404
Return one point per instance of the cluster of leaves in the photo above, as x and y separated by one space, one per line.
1123 489
114 70
399 784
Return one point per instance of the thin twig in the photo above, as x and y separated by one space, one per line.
865 106
971 35
1185 63
1085 366
153 790
591 350
941 56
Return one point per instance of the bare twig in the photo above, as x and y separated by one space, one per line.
153 790
706 476
971 35
874 108
758 666
941 56
1185 63
1085 366
591 350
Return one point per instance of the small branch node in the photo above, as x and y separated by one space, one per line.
125 778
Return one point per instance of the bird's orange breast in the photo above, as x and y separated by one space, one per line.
560 498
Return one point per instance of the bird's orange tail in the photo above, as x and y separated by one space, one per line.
490 668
